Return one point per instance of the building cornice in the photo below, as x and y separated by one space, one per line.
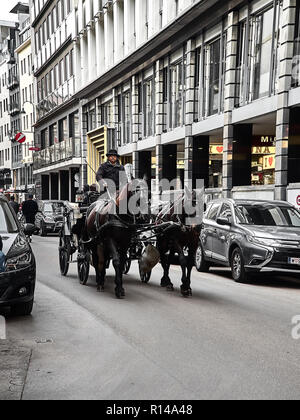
185 26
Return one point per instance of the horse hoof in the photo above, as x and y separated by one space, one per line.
186 293
170 288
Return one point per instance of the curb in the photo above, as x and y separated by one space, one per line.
14 364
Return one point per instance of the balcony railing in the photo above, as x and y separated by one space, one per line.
59 152
56 98
13 82
14 108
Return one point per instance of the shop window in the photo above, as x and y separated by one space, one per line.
215 162
263 160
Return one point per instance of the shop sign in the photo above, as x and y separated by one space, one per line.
269 162
216 149
264 150
262 141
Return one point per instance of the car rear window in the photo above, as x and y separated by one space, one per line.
7 220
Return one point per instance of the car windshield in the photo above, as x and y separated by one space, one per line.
53 208
267 215
7 221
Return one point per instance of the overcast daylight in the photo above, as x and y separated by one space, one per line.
6 6
149 202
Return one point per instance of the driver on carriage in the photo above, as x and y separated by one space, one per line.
112 170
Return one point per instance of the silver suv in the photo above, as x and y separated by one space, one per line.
250 237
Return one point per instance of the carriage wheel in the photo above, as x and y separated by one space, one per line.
145 277
127 265
64 255
83 266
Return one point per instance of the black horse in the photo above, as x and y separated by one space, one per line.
178 239
110 232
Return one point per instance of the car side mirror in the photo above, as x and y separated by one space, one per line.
29 229
223 221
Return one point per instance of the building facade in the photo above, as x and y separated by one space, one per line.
22 158
58 164
185 89
8 100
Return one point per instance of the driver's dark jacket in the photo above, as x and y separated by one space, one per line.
112 172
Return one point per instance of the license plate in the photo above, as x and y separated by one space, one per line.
294 261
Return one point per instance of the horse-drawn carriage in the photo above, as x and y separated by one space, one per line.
99 236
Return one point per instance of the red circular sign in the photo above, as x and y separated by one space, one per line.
20 138
298 200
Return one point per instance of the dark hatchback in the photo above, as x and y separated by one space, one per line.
50 217
250 237
18 267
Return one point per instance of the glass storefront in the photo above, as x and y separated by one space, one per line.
263 160
215 162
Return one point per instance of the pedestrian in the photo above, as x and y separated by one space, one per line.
30 209
12 203
112 170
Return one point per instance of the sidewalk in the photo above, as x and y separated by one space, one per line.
14 363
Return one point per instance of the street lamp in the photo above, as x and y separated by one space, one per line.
23 110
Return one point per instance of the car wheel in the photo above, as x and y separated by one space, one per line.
201 265
23 309
238 271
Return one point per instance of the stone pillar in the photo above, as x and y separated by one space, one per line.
129 26
159 121
118 8
100 45
229 102
109 38
91 41
286 50
135 124
189 114
77 64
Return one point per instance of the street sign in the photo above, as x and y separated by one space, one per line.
20 138
34 149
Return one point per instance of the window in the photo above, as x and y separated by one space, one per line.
177 81
197 82
148 100
213 212
226 212
262 53
212 62
126 117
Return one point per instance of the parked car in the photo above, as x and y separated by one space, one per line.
50 217
17 267
250 237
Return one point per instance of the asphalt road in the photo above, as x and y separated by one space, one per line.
228 341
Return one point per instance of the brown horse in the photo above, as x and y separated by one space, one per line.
109 234
177 239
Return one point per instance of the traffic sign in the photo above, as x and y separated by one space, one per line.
20 138
34 149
